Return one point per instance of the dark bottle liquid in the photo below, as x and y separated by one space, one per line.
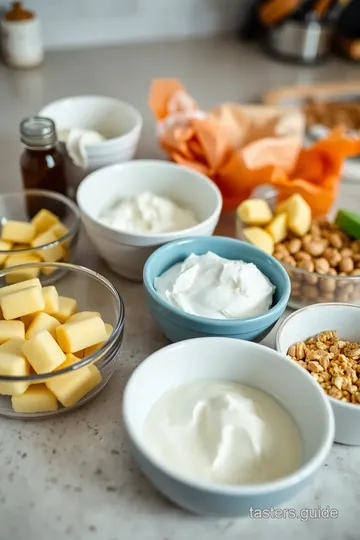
42 162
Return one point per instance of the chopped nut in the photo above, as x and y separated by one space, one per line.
315 366
333 363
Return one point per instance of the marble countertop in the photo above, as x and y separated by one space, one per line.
72 477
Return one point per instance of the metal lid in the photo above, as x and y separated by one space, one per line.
38 132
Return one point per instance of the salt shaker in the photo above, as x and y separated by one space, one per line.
21 38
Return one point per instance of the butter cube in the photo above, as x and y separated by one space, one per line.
4 246
277 228
67 307
59 230
95 374
42 321
18 231
83 315
22 302
51 299
299 215
254 212
51 254
43 353
28 319
36 399
298 212
11 329
21 274
77 335
69 388
43 220
13 363
260 239
93 348
18 286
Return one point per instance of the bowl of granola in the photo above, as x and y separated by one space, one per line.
325 340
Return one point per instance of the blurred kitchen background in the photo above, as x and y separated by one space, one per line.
298 28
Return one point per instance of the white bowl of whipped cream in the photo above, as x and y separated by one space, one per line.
226 427
131 209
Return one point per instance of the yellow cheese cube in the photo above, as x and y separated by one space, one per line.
95 374
43 353
18 286
83 315
36 399
93 348
299 215
77 335
67 307
18 231
260 239
51 299
27 319
42 321
21 274
69 388
51 254
254 212
22 302
11 329
13 363
277 228
4 246
59 230
43 220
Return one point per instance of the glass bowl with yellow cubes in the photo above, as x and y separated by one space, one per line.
320 255
37 226
58 344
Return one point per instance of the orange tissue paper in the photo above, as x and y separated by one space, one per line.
243 146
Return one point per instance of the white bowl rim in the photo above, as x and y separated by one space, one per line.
333 401
263 488
138 119
161 237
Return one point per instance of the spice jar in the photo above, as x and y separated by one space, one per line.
42 162
21 38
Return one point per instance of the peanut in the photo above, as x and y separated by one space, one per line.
294 246
335 240
315 247
346 265
322 266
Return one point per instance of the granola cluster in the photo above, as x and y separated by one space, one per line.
333 362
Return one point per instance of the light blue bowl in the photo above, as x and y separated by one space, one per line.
178 325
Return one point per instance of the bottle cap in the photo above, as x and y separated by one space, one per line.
38 132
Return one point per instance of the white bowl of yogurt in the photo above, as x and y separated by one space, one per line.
131 209
223 427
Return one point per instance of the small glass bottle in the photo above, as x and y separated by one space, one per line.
42 162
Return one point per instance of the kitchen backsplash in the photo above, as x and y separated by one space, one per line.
93 22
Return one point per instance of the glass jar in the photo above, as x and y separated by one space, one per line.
42 162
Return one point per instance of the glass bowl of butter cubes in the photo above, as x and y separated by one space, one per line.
320 254
58 345
37 226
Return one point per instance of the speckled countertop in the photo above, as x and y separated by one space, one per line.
72 477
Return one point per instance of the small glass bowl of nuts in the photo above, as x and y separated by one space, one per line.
322 260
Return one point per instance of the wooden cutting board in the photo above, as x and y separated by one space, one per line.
296 95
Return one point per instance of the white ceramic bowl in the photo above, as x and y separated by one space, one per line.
239 361
116 120
127 253
311 320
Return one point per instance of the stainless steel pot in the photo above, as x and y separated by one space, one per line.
300 42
